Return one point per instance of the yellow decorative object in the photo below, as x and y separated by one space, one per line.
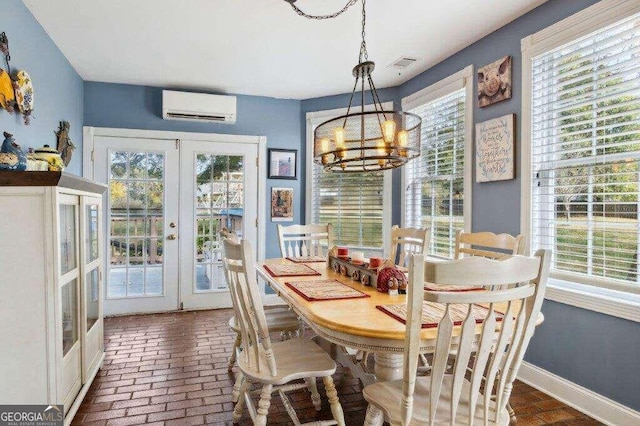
56 164
51 156
6 91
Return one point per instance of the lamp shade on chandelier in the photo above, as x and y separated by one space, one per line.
364 139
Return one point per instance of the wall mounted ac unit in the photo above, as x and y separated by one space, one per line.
198 107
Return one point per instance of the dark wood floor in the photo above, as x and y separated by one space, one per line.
171 369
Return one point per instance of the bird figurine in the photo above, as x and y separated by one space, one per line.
11 156
65 146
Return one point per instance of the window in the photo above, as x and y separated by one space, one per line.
584 175
437 187
358 205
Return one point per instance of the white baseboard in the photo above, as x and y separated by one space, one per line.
582 399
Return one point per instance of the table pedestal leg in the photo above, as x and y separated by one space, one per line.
388 366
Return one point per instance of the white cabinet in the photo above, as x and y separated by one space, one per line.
51 261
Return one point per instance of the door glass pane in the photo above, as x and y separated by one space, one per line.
92 293
92 233
67 238
69 296
136 203
219 202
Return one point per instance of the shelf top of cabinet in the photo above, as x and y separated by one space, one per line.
61 179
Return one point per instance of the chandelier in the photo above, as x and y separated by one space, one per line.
364 140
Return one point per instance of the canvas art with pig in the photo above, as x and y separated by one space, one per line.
494 82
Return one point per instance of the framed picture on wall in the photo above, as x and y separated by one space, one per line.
283 163
494 82
282 204
495 149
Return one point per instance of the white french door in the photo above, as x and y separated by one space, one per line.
167 202
218 188
141 219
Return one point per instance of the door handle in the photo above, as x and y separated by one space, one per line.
171 237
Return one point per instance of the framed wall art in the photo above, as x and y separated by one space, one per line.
494 82
495 149
283 163
282 204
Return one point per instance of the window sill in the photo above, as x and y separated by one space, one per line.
610 302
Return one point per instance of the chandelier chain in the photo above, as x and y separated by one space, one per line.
363 46
320 17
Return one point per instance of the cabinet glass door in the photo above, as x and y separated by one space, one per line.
91 233
69 299
92 295
67 238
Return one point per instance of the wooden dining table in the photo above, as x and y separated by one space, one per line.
355 326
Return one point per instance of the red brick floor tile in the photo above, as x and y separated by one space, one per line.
174 366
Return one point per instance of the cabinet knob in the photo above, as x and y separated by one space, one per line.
171 237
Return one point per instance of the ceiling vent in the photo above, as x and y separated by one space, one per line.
403 62
198 107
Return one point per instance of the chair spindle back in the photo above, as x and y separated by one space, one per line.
407 241
305 240
256 344
488 244
487 341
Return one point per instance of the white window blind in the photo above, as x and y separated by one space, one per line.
435 180
353 204
585 147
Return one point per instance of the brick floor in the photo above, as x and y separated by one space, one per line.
171 369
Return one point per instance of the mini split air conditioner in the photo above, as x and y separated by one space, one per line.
198 107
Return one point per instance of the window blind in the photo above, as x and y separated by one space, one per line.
435 180
585 154
352 203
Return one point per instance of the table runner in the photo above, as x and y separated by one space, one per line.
324 290
295 270
307 259
433 312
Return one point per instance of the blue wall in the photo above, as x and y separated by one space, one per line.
139 107
57 87
597 351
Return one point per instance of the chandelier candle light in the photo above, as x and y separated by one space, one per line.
362 140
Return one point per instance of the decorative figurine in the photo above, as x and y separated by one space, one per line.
389 276
65 146
11 156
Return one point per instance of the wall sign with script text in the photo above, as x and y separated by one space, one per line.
495 149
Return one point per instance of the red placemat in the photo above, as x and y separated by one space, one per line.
433 312
317 290
295 270
307 259
435 287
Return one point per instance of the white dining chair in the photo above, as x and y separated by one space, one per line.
305 240
279 318
487 244
275 366
407 241
488 343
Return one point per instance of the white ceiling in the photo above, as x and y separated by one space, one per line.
262 47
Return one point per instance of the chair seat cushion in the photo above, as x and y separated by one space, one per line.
279 318
387 396
295 359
